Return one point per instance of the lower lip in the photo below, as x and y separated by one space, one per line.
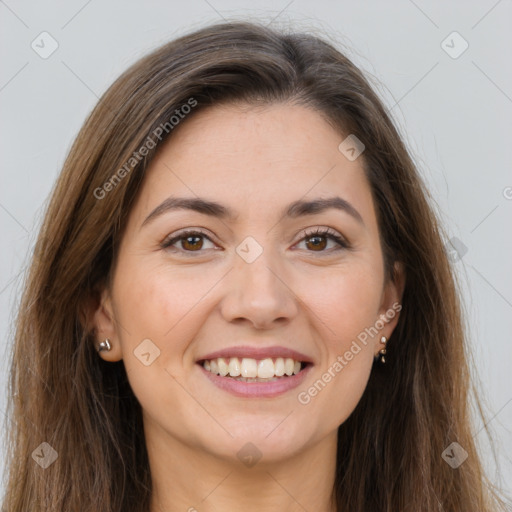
257 389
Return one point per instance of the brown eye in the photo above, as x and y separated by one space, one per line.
318 240
317 243
191 241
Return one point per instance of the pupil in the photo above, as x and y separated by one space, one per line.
187 240
318 244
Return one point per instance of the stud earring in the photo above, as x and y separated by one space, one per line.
382 351
105 345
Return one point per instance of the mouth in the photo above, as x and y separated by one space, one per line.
247 369
261 376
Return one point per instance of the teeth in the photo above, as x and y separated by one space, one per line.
223 366
249 369
234 367
288 366
266 369
279 367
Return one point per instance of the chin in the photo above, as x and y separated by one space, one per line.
272 440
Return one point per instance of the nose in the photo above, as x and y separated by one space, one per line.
259 293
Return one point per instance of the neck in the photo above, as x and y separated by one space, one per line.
187 478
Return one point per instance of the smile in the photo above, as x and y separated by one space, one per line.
252 370
246 377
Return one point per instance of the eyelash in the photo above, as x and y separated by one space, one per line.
316 232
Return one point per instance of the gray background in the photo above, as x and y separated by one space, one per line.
454 114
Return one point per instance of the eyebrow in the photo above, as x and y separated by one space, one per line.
293 210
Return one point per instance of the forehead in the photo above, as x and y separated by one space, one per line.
255 159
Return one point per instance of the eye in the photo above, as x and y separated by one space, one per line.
191 241
313 239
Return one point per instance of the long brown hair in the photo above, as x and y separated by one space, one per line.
61 393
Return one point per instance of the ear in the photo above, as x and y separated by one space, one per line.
391 302
101 320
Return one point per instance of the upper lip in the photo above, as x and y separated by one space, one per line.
257 353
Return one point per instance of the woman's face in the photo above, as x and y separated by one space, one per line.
253 282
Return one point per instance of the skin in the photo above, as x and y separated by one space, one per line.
314 300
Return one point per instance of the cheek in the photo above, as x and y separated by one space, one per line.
347 302
155 309
345 308
165 305
153 301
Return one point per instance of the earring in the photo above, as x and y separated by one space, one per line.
382 351
105 345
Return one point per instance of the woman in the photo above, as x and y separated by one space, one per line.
241 300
